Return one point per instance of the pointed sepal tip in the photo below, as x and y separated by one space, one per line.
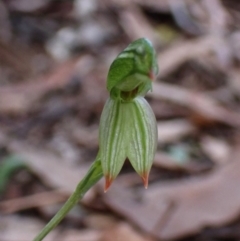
108 182
145 179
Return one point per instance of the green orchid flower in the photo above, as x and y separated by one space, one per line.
128 126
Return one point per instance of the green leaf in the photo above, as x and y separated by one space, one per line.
8 166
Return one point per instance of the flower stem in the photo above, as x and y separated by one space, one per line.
93 175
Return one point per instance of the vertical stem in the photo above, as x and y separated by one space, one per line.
93 175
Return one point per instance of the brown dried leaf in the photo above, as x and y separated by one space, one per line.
175 209
165 161
123 232
218 150
76 235
23 97
170 131
208 201
52 170
99 221
35 200
82 135
126 203
201 104
15 228
136 25
218 15
171 58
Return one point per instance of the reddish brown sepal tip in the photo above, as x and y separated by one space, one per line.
108 182
145 179
151 75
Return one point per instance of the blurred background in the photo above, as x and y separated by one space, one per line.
54 59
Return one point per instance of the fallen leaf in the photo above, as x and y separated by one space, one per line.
172 130
123 232
20 98
136 25
163 160
99 221
16 228
171 58
218 150
129 205
199 103
210 200
52 170
31 201
176 209
76 235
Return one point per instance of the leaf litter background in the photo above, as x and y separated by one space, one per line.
54 58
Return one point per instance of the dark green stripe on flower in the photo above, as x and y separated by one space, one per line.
143 139
111 139
127 129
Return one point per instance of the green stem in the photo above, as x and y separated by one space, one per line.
93 175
